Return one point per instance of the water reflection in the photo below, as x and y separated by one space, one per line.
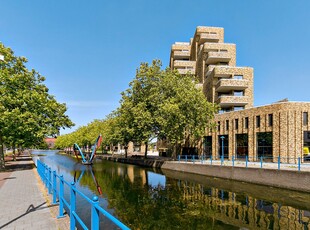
150 199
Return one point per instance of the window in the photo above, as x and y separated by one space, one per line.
237 108
227 124
305 118
257 121
218 126
238 77
270 119
246 122
238 93
236 124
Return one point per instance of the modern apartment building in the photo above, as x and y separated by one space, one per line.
280 130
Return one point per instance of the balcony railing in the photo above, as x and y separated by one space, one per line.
204 37
229 100
231 84
179 63
186 71
181 54
215 57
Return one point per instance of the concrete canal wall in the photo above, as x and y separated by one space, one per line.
294 180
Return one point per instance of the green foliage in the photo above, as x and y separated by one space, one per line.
28 112
158 104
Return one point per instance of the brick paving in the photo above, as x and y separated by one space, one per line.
24 203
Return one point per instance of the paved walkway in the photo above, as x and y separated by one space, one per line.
24 203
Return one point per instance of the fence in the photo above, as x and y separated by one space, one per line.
260 162
50 179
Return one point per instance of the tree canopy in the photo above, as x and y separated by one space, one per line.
159 104
28 113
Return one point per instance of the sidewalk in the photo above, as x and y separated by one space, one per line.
24 201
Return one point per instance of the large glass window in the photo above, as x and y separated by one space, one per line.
223 145
238 93
242 145
264 145
207 146
238 77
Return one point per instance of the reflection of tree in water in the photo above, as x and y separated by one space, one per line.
185 205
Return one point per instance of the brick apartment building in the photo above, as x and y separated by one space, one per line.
279 129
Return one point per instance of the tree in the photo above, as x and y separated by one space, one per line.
164 104
28 112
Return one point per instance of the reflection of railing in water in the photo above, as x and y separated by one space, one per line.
50 178
245 211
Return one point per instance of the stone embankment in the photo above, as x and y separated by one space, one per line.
288 178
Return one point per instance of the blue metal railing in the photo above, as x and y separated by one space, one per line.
49 178
277 162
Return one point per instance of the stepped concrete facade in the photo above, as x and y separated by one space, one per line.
277 130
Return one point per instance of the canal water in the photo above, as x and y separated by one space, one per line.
144 198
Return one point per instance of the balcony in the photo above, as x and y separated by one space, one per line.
225 85
228 101
178 54
178 64
186 71
208 37
209 69
216 57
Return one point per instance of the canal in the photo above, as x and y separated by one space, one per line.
144 198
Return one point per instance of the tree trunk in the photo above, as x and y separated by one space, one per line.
126 149
14 156
2 162
145 153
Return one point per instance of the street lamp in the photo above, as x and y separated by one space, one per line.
222 137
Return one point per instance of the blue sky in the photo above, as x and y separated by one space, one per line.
89 50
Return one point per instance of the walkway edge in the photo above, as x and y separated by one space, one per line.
299 181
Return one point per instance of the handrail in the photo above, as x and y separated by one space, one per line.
50 178
261 161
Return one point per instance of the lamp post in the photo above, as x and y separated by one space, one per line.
222 137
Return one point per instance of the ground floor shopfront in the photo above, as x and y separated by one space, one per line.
277 130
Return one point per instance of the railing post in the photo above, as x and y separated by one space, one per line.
211 159
193 158
45 175
54 187
278 162
186 158
61 197
201 159
179 157
49 180
298 163
261 162
72 206
222 159
246 161
94 214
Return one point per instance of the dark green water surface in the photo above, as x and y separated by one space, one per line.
144 198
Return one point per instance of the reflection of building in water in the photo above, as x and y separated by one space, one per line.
136 174
243 211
